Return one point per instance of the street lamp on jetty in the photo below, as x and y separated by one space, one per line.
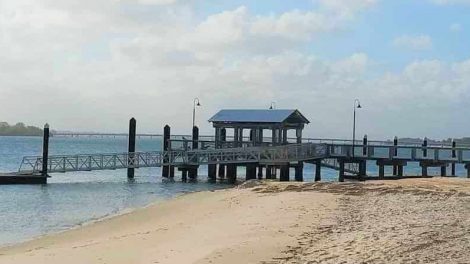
196 103
357 105
273 106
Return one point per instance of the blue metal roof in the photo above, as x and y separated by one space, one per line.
256 116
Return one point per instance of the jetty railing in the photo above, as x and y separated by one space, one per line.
113 161
401 152
330 153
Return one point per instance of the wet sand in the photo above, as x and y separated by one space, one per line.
406 221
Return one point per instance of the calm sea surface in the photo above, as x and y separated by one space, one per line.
71 199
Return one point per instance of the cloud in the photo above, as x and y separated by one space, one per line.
419 42
91 65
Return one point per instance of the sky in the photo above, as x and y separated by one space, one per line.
90 65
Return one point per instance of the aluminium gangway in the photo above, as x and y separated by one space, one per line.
329 153
113 161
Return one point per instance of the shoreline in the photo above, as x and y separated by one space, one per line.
99 219
272 222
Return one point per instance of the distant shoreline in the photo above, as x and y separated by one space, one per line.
20 135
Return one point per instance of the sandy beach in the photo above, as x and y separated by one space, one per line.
406 221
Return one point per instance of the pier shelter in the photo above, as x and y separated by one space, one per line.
275 122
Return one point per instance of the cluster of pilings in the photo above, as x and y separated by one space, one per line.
229 172
397 165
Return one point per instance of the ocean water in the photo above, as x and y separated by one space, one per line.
71 199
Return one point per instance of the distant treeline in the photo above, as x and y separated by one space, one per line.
462 141
20 129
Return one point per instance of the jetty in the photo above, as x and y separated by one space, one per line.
267 144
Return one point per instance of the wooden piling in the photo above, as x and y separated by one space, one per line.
454 155
250 171
131 147
260 172
212 172
381 171
166 146
362 170
425 149
424 170
192 172
184 175
232 173
400 170
395 153
274 172
341 171
443 171
45 150
467 166
285 173
364 144
269 171
299 172
318 170
299 169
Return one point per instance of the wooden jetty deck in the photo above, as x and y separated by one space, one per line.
262 157
22 178
335 156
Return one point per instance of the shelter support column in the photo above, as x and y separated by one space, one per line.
235 137
223 139
284 136
273 137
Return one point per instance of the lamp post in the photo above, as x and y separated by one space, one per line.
273 106
357 105
195 103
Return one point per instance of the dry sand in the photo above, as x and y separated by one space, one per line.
407 221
